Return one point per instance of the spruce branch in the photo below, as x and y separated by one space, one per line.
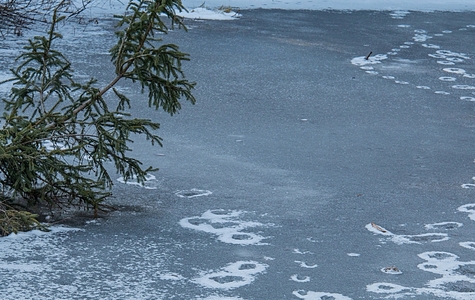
58 133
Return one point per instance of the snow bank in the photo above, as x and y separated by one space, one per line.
210 9
419 5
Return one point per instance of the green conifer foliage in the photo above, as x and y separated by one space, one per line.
47 106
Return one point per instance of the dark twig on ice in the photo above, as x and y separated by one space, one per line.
367 56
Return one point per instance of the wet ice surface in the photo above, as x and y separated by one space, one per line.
220 223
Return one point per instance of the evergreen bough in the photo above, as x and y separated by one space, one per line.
58 133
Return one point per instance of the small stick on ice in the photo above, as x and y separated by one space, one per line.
367 56
378 227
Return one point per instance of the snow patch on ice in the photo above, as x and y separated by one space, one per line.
451 54
441 93
468 245
232 276
386 288
421 37
468 185
456 281
443 225
391 270
447 78
319 295
468 208
151 182
463 87
193 193
430 46
298 278
362 61
445 63
201 13
227 225
305 265
298 251
400 239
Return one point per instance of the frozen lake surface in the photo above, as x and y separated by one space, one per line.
304 171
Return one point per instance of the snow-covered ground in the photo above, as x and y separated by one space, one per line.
424 5
217 9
